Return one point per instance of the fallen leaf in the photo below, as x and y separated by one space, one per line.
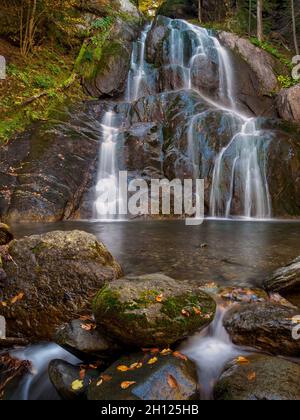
77 385
88 327
242 361
180 356
100 382
93 367
106 378
197 310
159 298
123 368
185 313
251 376
82 374
172 382
4 304
166 352
153 361
17 298
127 384
136 366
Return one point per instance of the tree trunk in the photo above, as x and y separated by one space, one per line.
200 10
260 26
294 27
250 17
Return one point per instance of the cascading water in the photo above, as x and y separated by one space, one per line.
107 188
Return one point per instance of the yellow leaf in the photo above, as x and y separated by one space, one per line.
123 368
153 361
127 384
242 361
185 313
166 352
136 366
100 382
4 304
77 385
172 382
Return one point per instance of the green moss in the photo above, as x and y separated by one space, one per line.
107 300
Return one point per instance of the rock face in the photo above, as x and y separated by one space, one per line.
52 278
5 235
262 378
286 279
81 339
152 310
152 377
63 375
263 65
288 104
265 326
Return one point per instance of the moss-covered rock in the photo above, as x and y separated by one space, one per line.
152 310
151 376
52 278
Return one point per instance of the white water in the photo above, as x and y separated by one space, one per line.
211 350
107 188
37 386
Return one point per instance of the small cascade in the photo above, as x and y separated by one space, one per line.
107 188
137 81
211 350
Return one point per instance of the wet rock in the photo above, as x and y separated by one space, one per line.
205 74
265 326
262 378
11 372
6 235
152 310
155 37
152 377
41 270
243 295
85 342
71 382
262 64
288 103
285 279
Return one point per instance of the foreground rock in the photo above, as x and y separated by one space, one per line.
147 377
288 103
286 279
265 326
85 342
152 310
11 372
71 382
5 234
261 378
50 279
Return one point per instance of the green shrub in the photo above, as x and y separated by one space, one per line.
44 81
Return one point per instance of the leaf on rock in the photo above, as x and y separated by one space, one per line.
77 385
88 327
242 361
166 352
127 384
251 376
100 382
159 298
82 374
17 298
153 361
123 368
172 382
180 356
185 313
135 366
197 310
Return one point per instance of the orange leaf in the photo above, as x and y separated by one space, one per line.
242 361
197 311
251 376
127 384
123 368
153 361
82 374
17 298
180 356
172 382
159 298
88 327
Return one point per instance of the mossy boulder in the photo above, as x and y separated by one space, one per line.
152 310
5 234
51 279
151 376
259 378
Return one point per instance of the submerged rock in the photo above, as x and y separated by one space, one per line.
265 326
152 310
50 279
286 279
6 235
147 377
85 342
71 382
259 377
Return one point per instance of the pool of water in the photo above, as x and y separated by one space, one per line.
239 253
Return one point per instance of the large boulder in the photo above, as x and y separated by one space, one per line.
288 103
259 378
50 279
265 326
147 377
285 279
12 371
81 338
152 310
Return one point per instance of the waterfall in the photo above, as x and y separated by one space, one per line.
107 188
